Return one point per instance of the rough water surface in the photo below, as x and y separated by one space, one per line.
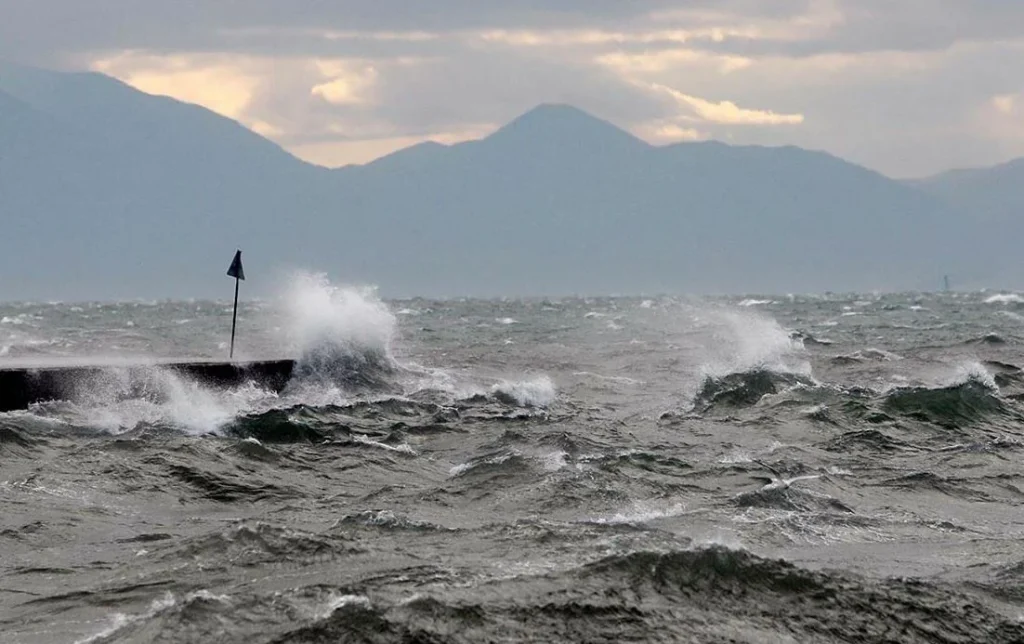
842 468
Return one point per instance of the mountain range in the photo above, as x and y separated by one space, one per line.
108 192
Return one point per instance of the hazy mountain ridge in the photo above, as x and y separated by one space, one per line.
145 195
993 194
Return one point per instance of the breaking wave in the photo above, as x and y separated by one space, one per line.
746 342
965 401
748 356
782 495
343 339
538 392
342 335
745 388
1004 298
119 399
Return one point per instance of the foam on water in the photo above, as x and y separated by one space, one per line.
123 399
121 620
736 456
336 601
403 448
617 379
553 461
642 512
462 468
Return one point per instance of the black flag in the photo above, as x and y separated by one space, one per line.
236 270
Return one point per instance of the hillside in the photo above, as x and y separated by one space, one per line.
147 196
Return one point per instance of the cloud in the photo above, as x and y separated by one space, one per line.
906 87
1004 103
33 29
662 132
348 83
211 81
601 37
1000 120
660 61
343 152
727 111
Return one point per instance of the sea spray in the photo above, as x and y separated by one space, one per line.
341 335
747 341
746 355
120 399
536 392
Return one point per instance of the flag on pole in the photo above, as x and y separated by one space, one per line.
236 270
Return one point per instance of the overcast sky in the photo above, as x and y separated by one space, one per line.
907 87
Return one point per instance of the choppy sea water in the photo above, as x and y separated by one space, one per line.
837 468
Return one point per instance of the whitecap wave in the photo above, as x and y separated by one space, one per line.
537 392
1004 298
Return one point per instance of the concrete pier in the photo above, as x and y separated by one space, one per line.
24 385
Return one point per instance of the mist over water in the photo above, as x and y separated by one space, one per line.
750 469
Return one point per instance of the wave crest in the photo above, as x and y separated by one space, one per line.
952 406
745 388
538 392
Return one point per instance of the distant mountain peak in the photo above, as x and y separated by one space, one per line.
556 111
560 123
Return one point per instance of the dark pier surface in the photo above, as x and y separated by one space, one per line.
25 385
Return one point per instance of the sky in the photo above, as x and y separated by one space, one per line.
905 87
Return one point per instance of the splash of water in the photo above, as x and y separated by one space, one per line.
971 372
538 392
747 341
121 399
342 335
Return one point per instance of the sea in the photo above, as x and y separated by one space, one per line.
762 469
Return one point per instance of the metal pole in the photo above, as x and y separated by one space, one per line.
234 318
